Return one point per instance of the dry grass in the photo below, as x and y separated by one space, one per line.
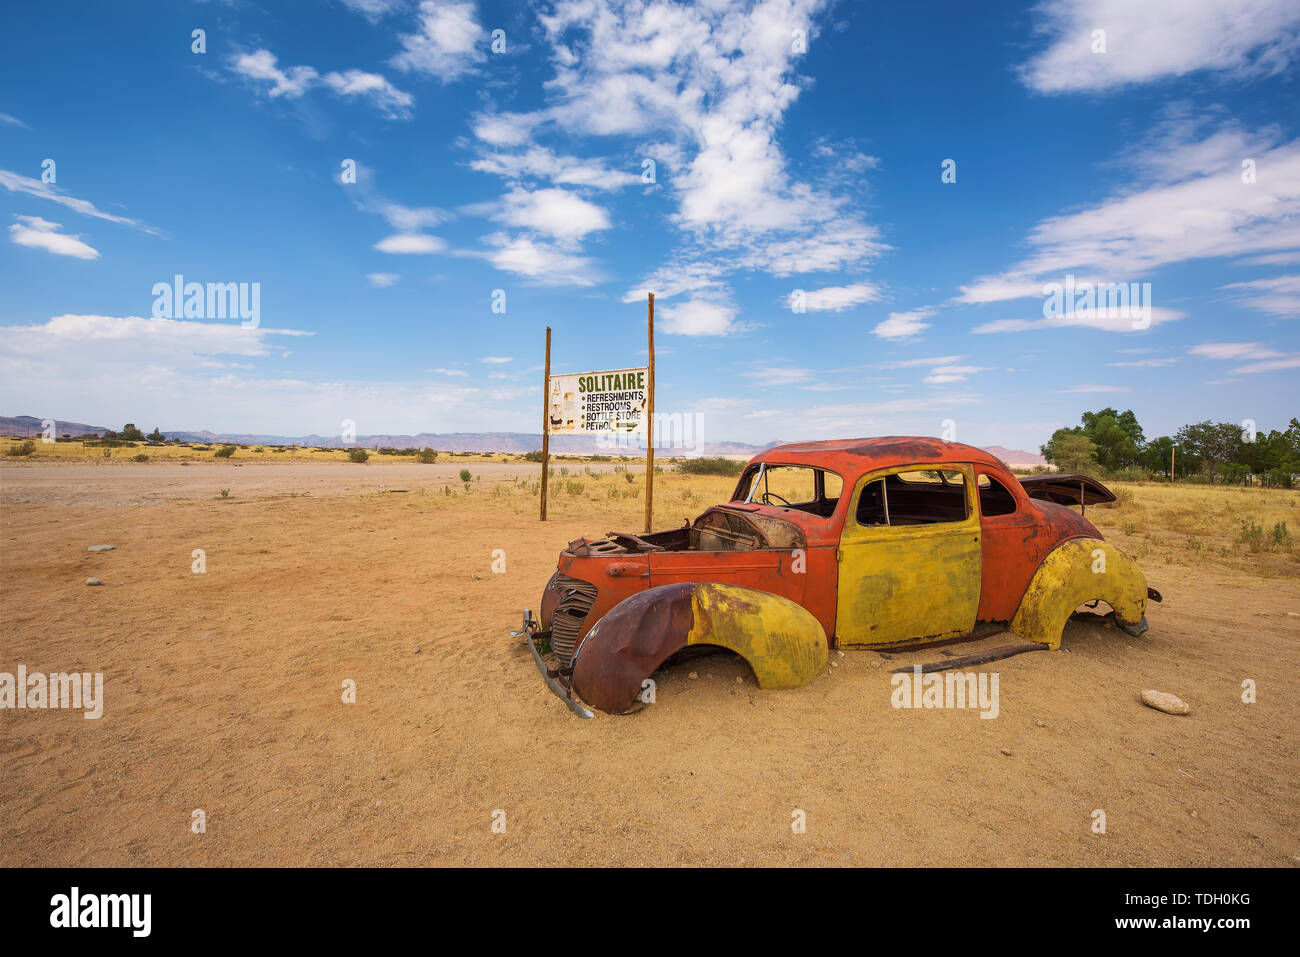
1206 522
76 451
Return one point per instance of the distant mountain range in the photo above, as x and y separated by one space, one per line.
514 442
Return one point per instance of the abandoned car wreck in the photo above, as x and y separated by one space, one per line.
859 543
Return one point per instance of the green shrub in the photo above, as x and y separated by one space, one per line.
428 456
358 455
711 466
465 475
534 456
140 458
225 452
26 447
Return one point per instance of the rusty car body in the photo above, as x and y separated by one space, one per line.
887 542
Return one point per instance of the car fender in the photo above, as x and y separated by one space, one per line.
782 642
1077 571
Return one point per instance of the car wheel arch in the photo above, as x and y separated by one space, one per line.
1076 571
783 644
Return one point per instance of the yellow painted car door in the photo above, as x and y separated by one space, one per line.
911 572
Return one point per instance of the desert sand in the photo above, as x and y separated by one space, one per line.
223 692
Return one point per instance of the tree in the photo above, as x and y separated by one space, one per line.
1117 435
131 434
156 436
1071 451
1215 444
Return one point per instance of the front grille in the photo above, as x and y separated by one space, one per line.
576 599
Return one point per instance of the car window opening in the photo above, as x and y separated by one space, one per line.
995 499
801 487
919 497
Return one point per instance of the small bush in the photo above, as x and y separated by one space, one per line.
357 455
26 447
465 476
629 477
534 456
225 452
140 458
1253 535
428 456
711 466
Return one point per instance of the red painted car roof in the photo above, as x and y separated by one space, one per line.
852 457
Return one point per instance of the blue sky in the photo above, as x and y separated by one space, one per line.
797 146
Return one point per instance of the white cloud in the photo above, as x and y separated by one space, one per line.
557 213
106 370
173 343
37 233
545 263
1093 389
1279 296
261 67
452 372
904 325
497 360
411 244
1233 350
836 298
372 10
1260 358
708 86
944 374
1107 319
8 120
910 363
779 376
1158 39
371 86
382 280
449 44
1190 204
17 183
1272 259
505 129
680 276
542 163
1270 365
1144 363
995 289
699 317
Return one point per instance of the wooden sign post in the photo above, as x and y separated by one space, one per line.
650 422
617 401
546 421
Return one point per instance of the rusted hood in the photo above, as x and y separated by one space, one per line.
1066 489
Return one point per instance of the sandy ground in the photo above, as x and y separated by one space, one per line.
223 693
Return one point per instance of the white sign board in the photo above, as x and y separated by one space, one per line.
590 402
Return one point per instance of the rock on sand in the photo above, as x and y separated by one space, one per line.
1164 701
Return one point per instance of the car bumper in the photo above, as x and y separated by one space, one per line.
532 634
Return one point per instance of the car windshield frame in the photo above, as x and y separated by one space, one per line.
753 474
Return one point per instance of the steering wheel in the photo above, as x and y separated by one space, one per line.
770 495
